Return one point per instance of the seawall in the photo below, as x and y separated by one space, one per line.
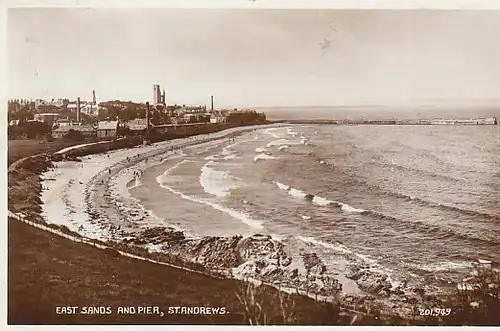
157 134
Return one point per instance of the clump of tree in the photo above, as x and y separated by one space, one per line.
29 129
128 110
74 135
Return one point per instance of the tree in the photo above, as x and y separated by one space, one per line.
74 135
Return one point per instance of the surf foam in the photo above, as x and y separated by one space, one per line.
263 157
162 181
317 200
216 182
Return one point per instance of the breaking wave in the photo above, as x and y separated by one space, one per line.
319 201
263 157
215 182
162 181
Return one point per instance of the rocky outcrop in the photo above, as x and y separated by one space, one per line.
157 235
370 281
257 257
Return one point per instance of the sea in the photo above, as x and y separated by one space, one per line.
419 203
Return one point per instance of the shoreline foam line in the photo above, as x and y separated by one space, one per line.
255 224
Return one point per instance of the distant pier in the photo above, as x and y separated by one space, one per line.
469 121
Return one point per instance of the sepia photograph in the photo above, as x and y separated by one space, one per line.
253 166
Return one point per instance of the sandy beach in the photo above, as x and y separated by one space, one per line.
74 193
93 197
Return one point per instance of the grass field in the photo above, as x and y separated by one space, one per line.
18 149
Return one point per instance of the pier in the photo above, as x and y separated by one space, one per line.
470 121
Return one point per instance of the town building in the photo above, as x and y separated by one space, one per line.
136 126
50 118
217 117
107 129
85 130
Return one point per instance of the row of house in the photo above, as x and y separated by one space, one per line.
102 129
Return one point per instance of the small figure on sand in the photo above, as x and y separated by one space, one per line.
109 171
80 228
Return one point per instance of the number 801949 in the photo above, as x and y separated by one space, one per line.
434 311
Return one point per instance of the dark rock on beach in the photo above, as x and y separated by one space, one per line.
370 281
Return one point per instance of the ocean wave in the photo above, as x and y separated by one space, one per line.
263 157
232 157
334 247
134 183
433 204
437 231
215 182
446 266
262 150
317 200
283 147
272 131
281 142
243 217
291 132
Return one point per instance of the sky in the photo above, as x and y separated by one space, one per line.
255 58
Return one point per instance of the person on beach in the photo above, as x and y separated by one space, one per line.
80 228
109 171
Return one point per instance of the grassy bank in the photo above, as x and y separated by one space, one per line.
46 271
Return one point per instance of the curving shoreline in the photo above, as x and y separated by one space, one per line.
258 257
272 270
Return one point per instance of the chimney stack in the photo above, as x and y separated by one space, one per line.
212 103
78 110
147 116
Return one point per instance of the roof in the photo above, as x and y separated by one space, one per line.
107 125
47 114
66 128
136 124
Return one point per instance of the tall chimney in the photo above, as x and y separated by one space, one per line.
78 110
147 117
212 103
